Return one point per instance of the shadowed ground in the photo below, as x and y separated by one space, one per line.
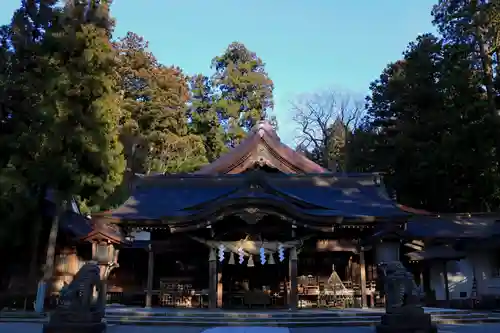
37 328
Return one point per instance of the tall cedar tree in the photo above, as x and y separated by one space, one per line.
15 203
245 91
155 120
424 111
476 24
66 104
24 120
204 118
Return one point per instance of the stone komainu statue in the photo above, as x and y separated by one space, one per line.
404 313
78 306
398 285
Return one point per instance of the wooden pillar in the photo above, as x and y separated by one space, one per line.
362 275
219 289
149 290
212 280
446 282
293 300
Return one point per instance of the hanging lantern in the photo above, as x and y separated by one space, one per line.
221 252
270 261
231 259
250 261
281 252
262 256
241 255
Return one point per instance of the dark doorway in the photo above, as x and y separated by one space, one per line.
260 286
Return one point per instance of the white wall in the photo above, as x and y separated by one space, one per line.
461 275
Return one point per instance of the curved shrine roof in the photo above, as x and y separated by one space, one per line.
313 197
300 188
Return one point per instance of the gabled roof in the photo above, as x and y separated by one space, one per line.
262 147
84 229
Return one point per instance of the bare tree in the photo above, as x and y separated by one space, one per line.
324 123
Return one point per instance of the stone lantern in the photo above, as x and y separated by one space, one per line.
105 254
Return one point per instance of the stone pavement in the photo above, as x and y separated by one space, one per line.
37 328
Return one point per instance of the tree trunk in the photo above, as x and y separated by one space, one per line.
48 268
497 54
484 54
35 241
34 267
487 71
51 245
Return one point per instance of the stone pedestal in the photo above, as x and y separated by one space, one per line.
75 322
74 328
407 319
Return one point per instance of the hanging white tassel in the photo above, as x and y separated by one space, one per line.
231 259
221 252
250 261
212 256
241 255
270 261
262 256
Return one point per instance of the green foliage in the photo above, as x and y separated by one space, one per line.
61 116
245 91
432 118
155 128
89 160
432 133
205 120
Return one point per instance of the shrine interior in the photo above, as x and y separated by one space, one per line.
327 266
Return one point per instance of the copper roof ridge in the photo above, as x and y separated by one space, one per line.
263 132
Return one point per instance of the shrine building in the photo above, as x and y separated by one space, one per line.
262 226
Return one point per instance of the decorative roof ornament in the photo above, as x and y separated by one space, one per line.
266 127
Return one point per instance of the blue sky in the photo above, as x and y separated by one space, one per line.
307 46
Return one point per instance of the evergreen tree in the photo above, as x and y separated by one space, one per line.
155 118
245 91
431 135
63 109
205 120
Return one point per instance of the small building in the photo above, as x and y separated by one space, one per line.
458 257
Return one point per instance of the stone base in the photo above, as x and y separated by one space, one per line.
406 320
74 328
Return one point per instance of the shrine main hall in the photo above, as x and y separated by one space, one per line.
262 226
